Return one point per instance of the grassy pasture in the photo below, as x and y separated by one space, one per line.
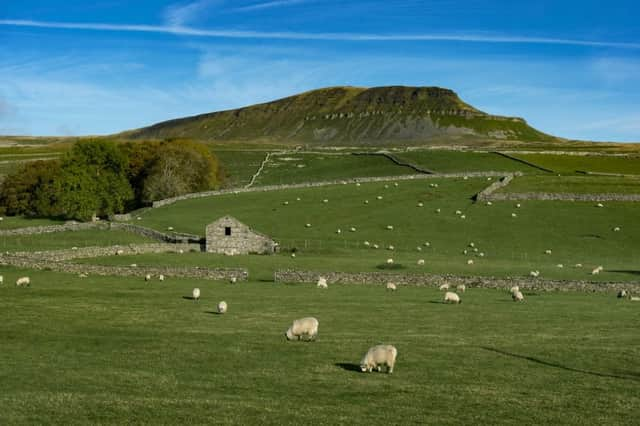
118 350
14 222
305 167
575 184
464 161
569 164
575 232
68 239
239 166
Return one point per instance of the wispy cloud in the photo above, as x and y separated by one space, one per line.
181 14
269 5
353 37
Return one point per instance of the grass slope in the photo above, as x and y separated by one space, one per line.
68 239
576 232
463 161
575 184
569 164
116 350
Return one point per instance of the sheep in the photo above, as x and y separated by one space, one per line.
517 296
489 203
352 229
481 254
514 215
458 212
389 227
518 205
560 265
534 274
325 201
600 205
616 229
461 288
82 275
74 248
195 294
222 307
395 184
427 244
147 277
420 205
161 277
303 329
419 248
472 244
286 203
578 265
308 225
134 265
170 228
379 197
233 280
375 246
297 198
1 279
475 249
367 243
392 248
622 294
470 262
339 231
392 287
322 283
366 201
119 252
420 262
597 270
451 297
438 210
389 261
463 216
443 287
378 356
634 299
548 251
23 282
293 255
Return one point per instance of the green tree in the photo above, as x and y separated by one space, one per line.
20 191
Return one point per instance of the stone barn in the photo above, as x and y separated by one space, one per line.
228 235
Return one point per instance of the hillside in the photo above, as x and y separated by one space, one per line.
351 116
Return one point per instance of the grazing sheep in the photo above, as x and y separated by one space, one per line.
634 299
518 205
293 255
379 197
451 297
622 294
367 243
534 274
461 288
600 205
391 286
286 203
378 356
375 246
325 201
339 231
458 212
82 275
616 229
180 251
391 248
517 296
23 282
390 227
419 248
489 203
390 261
547 251
322 283
74 248
463 217
119 252
470 262
443 287
559 265
514 215
472 244
578 265
222 307
303 329
420 205
420 262
233 280
352 229
481 254
514 289
427 244
161 277
366 201
147 277
438 210
134 265
170 228
195 294
308 225
597 270
1 279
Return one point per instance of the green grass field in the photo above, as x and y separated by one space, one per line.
569 164
464 161
68 239
121 351
575 184
300 168
239 166
575 232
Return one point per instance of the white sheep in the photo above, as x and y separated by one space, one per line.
119 252
616 229
378 356
420 262
339 231
622 294
389 261
82 275
419 248
147 277
438 210
1 279
514 215
514 289
392 287
293 255
366 201
463 217
451 297
322 283
600 205
518 205
470 262
308 225
161 277
170 228
390 227
352 229
458 212
392 248
634 299
461 288
233 280
367 243
578 265
548 251
597 270
195 294
534 274
420 205
443 287
489 203
375 246
517 296
560 265
134 265
303 329
325 201
222 307
379 197
472 244
427 244
23 282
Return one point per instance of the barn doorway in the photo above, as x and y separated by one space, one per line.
227 231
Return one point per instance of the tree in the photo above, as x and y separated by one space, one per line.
20 191
180 167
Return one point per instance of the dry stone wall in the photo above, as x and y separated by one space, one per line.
89 252
560 196
486 193
431 280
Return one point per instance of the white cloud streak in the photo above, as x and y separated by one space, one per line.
181 14
269 5
351 37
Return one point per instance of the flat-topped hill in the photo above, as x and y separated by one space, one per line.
394 115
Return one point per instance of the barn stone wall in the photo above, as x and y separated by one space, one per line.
243 240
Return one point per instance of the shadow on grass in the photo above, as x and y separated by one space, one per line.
348 366
212 313
625 271
188 298
624 376
438 302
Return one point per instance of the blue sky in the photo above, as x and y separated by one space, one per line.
78 67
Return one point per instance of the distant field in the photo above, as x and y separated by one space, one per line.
239 166
13 222
463 161
300 168
68 239
576 232
574 184
113 350
569 164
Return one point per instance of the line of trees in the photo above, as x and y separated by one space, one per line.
101 177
